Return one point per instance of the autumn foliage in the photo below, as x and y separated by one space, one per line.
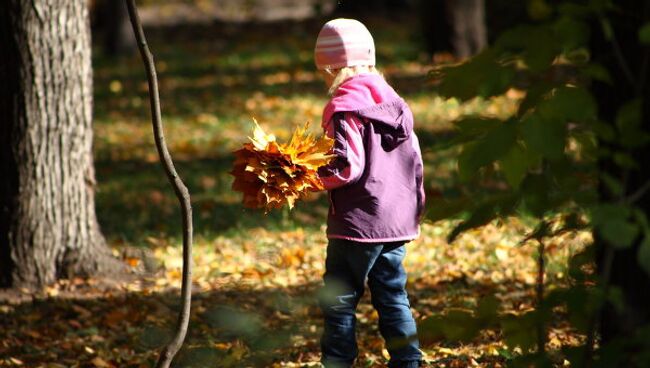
272 174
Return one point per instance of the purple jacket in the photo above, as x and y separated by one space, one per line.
375 181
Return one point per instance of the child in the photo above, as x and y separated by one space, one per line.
376 197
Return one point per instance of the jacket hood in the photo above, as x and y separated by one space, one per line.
369 96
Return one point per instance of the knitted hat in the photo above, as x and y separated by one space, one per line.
344 42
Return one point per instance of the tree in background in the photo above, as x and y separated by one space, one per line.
48 226
469 32
454 25
118 36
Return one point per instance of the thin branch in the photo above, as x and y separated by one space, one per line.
594 319
619 56
541 270
639 193
180 189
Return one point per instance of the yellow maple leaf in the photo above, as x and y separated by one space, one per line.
260 139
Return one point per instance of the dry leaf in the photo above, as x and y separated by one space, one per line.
270 174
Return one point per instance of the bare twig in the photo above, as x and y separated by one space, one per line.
618 53
593 320
639 193
180 189
541 269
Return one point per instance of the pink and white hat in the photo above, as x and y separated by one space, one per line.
344 42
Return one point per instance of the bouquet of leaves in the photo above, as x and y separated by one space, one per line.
272 174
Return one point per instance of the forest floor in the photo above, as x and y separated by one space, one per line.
256 276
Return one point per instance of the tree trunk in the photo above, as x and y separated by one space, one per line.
436 27
49 227
118 36
469 32
458 26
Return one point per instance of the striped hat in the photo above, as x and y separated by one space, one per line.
344 42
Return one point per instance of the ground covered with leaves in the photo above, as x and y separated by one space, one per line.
256 275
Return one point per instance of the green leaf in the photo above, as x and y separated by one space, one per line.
481 76
578 260
152 337
569 104
534 95
539 9
607 28
642 219
535 190
629 115
603 130
515 164
541 49
459 325
520 330
629 124
445 208
597 72
614 186
475 126
574 10
234 322
479 217
644 33
484 213
619 233
546 138
581 305
535 44
616 298
571 33
587 145
602 213
494 145
625 161
487 308
430 330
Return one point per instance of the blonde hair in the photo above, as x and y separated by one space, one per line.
348 72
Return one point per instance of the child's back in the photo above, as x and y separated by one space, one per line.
384 200
375 188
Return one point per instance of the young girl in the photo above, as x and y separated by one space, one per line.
376 197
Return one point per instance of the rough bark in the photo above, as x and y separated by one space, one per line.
48 211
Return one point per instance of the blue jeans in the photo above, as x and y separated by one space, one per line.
347 267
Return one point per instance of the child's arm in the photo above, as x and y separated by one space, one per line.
349 162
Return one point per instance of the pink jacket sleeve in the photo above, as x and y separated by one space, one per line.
349 163
419 177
